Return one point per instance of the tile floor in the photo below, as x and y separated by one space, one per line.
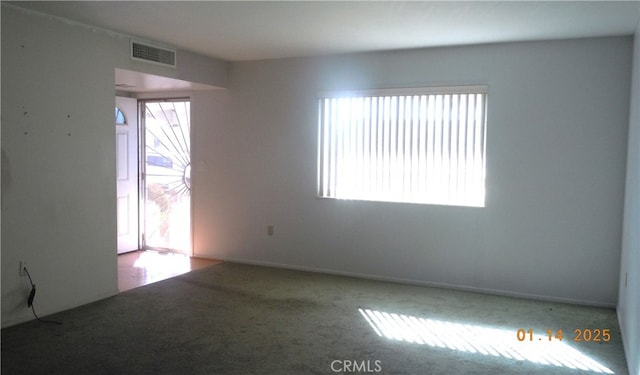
140 268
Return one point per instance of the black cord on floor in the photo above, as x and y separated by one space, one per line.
32 295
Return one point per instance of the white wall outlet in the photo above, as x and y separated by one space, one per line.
23 264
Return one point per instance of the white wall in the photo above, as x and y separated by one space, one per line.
556 150
629 288
58 157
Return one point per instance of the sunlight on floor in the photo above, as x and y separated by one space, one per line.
477 339
144 267
160 264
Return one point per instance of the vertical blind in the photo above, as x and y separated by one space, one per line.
414 145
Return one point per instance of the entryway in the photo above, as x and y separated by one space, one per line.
153 138
140 268
153 196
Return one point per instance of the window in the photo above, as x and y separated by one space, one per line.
120 119
423 145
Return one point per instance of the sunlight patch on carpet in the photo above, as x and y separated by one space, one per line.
159 266
482 340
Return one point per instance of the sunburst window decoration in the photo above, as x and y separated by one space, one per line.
120 119
168 151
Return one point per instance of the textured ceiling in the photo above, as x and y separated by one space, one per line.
238 31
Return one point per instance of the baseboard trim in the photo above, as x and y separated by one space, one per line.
465 288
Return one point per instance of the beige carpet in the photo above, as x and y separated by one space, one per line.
239 319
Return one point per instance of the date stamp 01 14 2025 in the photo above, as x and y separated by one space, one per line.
580 335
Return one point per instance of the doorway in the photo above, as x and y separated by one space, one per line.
153 196
153 170
166 174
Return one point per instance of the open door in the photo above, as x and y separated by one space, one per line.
127 174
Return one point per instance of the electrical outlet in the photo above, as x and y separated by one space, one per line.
626 276
23 265
269 230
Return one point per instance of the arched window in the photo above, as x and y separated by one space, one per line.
120 119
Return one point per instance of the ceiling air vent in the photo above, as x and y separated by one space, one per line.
142 51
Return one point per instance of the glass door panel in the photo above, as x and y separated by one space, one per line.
167 177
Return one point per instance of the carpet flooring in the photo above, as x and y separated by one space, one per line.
240 319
